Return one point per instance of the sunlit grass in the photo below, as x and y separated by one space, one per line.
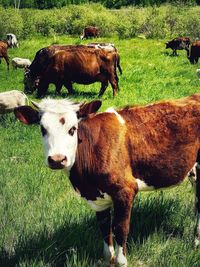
42 220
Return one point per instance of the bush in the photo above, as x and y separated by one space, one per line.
153 22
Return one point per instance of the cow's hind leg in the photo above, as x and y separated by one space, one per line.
105 224
69 87
7 61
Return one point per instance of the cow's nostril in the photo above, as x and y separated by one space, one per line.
57 161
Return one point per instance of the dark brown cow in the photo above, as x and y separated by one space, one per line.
3 52
90 32
79 64
194 52
178 44
112 155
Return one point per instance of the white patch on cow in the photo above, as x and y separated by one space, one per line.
58 139
119 117
120 257
142 186
192 174
108 253
101 203
197 237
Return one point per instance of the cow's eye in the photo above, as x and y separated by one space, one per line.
72 130
43 130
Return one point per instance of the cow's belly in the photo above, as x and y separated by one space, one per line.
101 203
142 186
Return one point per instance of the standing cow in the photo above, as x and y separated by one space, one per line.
90 32
12 40
112 155
4 52
74 64
178 44
194 52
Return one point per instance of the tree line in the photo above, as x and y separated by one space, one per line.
47 4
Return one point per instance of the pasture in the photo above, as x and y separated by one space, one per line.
42 220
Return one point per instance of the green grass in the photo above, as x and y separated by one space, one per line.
42 220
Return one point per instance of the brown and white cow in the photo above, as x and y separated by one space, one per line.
112 155
3 52
89 32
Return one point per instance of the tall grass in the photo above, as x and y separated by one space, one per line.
42 220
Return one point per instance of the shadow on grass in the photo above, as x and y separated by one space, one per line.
154 214
82 240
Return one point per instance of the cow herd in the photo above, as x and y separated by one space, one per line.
111 156
184 43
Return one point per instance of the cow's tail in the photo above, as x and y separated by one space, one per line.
116 65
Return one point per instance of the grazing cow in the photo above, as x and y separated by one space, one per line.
12 40
11 99
79 64
4 52
108 47
112 155
178 44
18 62
194 52
89 32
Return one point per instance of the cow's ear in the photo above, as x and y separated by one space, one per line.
27 115
89 108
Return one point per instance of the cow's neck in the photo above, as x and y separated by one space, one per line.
83 174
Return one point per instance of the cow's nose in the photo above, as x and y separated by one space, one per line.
57 161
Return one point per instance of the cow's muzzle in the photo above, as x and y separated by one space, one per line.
57 162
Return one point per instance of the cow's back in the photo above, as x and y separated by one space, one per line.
163 134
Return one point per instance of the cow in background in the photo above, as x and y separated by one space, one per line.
4 52
12 40
11 99
18 62
113 155
194 52
89 32
108 47
63 65
180 43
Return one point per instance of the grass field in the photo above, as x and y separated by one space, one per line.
42 220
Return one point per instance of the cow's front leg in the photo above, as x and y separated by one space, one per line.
122 212
105 224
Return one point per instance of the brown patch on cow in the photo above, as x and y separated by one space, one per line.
62 121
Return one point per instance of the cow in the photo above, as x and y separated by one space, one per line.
4 52
89 32
79 64
111 156
12 40
179 43
194 52
11 99
108 47
18 62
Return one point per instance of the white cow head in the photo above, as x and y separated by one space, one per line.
58 120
